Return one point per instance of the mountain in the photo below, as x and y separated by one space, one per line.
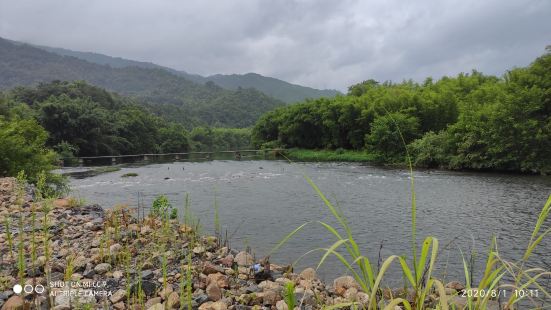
279 89
276 88
165 93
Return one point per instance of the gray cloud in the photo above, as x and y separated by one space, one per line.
324 43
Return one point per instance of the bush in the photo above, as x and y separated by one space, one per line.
163 208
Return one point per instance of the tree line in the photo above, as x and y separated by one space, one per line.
470 121
41 124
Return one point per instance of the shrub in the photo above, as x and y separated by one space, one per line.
163 208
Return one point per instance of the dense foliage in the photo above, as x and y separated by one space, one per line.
472 121
167 94
84 120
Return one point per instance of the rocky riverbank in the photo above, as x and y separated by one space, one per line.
88 258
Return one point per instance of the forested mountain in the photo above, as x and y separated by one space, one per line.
188 103
472 121
278 89
81 119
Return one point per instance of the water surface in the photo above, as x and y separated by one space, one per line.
262 201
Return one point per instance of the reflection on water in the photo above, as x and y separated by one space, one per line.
262 201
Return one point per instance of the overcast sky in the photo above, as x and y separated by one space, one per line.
323 44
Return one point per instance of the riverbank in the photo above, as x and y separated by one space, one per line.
328 155
113 260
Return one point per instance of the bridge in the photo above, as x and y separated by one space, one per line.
207 155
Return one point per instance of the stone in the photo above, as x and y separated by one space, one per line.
219 305
165 292
363 299
455 285
115 249
147 275
14 303
244 259
342 284
102 268
206 306
119 295
218 278
350 294
79 263
173 300
157 307
119 306
226 261
281 305
199 249
148 287
75 297
308 274
213 292
210 268
117 274
270 298
153 301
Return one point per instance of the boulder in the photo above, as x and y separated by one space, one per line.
15 302
308 274
342 284
213 292
102 268
244 259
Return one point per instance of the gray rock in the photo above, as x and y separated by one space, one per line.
102 268
148 287
147 274
201 299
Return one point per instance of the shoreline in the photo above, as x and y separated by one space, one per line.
118 262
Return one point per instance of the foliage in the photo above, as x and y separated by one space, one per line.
328 155
471 121
163 208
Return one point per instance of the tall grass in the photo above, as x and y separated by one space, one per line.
418 269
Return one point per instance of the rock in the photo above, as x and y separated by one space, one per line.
79 263
173 300
341 284
115 249
308 274
270 298
148 287
206 306
213 292
147 275
218 278
281 305
102 268
119 295
157 307
165 292
363 298
199 249
226 261
210 268
117 274
14 303
244 259
119 306
350 294
253 288
219 306
455 285
75 297
200 299
153 301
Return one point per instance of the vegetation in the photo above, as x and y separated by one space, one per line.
278 89
163 92
471 121
328 155
163 208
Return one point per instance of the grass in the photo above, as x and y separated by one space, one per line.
329 155
130 174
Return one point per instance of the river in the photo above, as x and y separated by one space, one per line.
262 201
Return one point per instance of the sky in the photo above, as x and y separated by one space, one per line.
322 44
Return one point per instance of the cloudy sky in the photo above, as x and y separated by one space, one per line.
323 43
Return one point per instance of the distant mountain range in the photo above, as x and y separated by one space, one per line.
166 94
276 88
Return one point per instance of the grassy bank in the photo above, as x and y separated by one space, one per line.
329 155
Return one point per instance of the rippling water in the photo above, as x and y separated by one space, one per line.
262 201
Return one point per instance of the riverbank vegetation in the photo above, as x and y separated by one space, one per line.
328 155
470 121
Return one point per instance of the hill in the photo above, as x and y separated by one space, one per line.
279 89
276 88
191 103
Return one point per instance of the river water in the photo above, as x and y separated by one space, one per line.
260 202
